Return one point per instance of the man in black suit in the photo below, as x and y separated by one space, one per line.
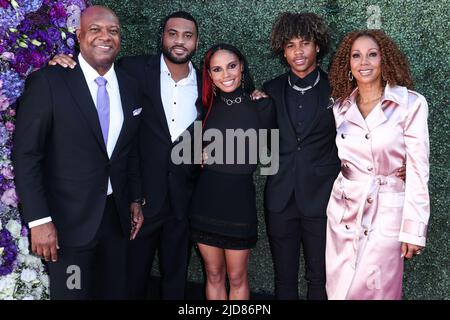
172 102
297 196
76 164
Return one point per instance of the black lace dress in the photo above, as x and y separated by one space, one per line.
223 209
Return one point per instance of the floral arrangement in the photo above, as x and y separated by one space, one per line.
31 32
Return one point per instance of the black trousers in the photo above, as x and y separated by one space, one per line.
96 270
170 236
287 231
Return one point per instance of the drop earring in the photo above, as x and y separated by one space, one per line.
350 76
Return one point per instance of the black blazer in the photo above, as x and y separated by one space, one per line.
307 167
60 158
160 176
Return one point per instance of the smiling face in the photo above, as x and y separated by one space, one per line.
179 40
365 61
99 37
225 70
301 55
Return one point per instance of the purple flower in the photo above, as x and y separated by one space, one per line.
54 34
7 172
12 84
70 42
9 126
58 15
10 18
4 103
4 4
7 56
4 135
24 231
9 255
9 198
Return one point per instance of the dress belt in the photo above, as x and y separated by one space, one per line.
370 195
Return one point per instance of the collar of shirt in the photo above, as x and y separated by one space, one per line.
91 74
309 80
191 79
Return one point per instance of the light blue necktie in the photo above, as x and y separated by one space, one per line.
103 107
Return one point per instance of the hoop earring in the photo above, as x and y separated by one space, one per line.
214 89
350 76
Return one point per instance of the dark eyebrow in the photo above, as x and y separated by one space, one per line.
234 61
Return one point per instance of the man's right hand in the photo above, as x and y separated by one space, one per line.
44 241
63 60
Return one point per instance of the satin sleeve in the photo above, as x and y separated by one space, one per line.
416 210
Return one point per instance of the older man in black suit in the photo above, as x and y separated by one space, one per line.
76 163
172 102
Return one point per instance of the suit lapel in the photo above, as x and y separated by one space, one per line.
376 117
354 115
127 109
79 89
198 103
153 75
322 102
285 120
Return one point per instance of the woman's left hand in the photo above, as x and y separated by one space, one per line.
409 250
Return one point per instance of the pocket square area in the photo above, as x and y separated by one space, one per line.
137 111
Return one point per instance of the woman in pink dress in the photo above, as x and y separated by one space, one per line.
375 219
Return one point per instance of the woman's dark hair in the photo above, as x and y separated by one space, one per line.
207 83
305 25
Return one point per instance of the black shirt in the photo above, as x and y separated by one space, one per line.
227 113
302 107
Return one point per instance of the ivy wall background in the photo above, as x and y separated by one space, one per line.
421 29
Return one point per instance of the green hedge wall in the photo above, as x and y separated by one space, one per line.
421 29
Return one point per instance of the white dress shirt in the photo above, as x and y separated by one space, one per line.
178 99
115 113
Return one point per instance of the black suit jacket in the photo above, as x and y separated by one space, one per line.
307 167
60 158
160 176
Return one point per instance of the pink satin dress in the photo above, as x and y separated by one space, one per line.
371 211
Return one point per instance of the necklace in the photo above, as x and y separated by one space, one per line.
303 90
230 102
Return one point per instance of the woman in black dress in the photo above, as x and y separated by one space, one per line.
223 213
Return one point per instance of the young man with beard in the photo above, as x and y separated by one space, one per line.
170 85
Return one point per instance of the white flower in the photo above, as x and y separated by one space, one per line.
28 298
23 245
14 228
37 293
7 285
28 275
29 260
44 280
